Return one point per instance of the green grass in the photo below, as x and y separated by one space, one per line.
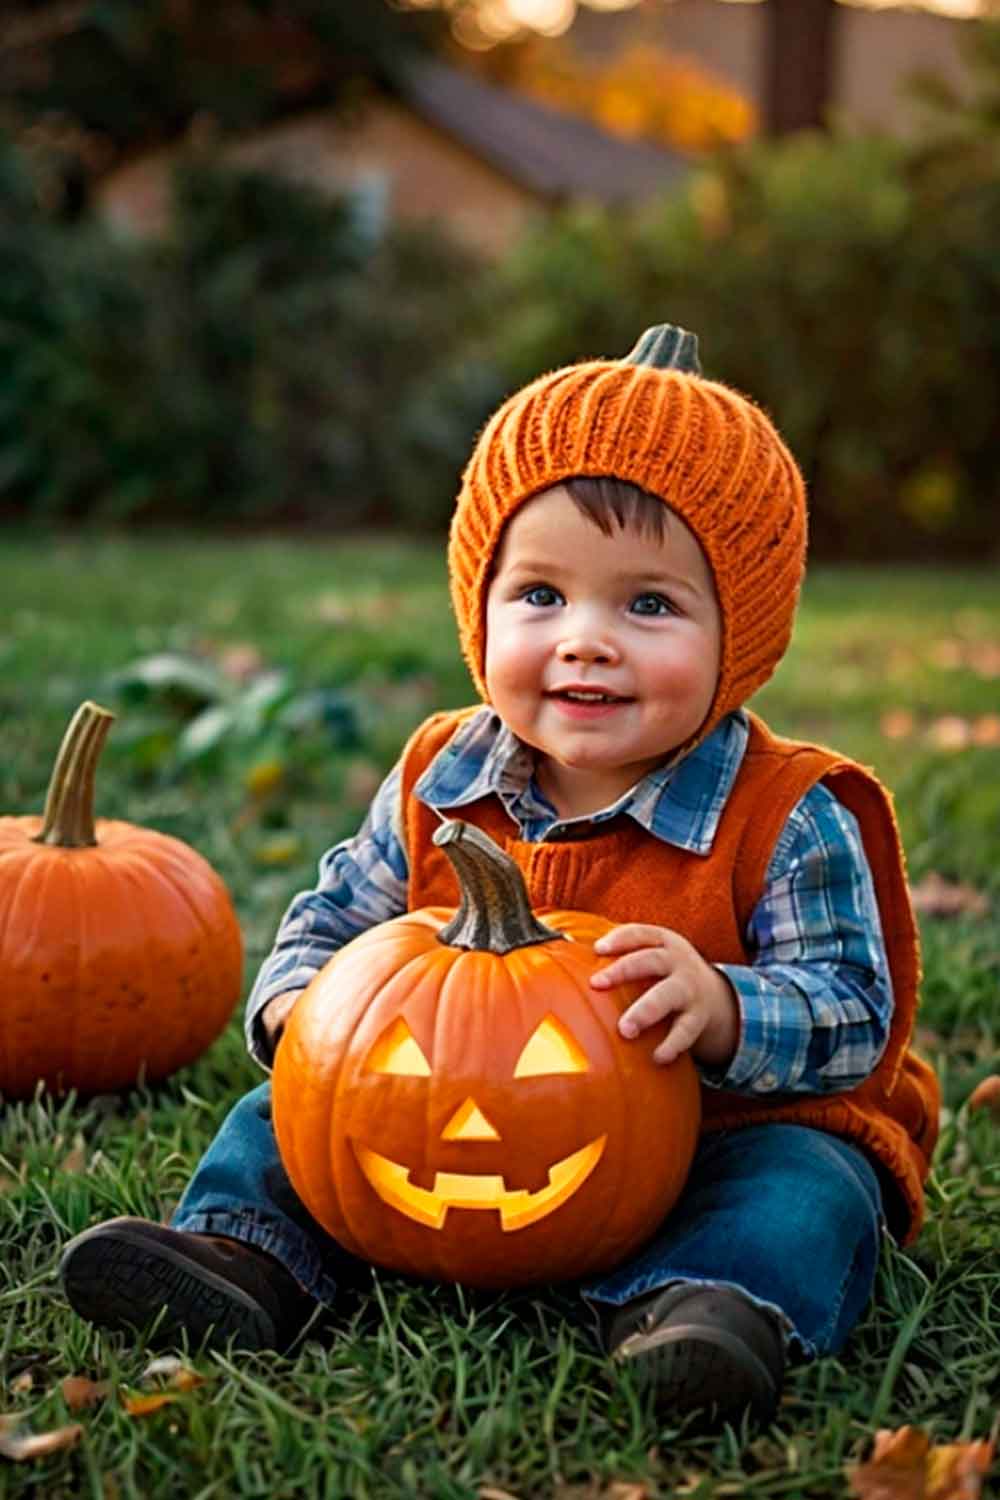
429 1391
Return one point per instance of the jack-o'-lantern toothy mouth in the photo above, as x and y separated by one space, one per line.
517 1207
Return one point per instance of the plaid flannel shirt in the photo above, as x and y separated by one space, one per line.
816 1000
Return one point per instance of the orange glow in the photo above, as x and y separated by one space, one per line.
517 1207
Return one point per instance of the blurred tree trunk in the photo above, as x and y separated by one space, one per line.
799 42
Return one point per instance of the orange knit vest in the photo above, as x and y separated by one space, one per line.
626 875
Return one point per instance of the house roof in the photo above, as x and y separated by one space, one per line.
554 154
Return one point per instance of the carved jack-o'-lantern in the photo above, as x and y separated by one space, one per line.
453 1099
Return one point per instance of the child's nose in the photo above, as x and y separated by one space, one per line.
587 648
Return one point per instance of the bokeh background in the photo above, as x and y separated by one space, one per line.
272 262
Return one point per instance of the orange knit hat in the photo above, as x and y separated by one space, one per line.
711 455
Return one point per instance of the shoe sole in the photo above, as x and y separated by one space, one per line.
701 1369
120 1281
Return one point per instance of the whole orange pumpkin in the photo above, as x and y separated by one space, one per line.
120 951
452 1099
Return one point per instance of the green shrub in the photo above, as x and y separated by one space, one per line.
275 358
852 285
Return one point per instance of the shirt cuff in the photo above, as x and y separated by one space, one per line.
257 1040
771 1055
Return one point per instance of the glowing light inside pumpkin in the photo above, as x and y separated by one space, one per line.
397 1051
468 1123
517 1207
551 1049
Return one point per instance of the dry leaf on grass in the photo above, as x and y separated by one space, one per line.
986 1095
178 1375
79 1393
76 1160
986 730
241 661
905 1466
897 724
936 897
144 1403
20 1446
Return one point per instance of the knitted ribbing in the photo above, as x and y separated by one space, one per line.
701 447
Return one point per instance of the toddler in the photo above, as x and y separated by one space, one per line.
625 560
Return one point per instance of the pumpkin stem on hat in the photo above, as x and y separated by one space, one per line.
495 913
69 803
666 347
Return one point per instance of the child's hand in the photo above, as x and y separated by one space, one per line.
702 1002
275 1014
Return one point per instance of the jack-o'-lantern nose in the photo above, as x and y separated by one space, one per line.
468 1123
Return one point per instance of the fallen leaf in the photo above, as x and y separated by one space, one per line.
950 733
264 777
163 1366
986 1095
76 1160
335 609
622 1491
897 724
934 896
19 1445
905 1466
240 662
948 655
489 1493
144 1403
986 730
178 1375
21 1384
956 1471
984 659
79 1393
279 849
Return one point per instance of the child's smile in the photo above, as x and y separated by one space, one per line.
602 652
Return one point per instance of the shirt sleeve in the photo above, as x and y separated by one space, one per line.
816 1002
362 881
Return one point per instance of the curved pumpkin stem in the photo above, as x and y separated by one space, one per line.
495 914
69 805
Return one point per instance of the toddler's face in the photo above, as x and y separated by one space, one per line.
601 652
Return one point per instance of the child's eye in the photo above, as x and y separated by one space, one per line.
652 604
541 596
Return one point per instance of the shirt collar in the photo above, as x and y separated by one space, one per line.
680 803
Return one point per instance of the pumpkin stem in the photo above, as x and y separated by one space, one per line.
495 914
69 805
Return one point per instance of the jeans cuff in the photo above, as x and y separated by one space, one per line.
297 1258
681 1285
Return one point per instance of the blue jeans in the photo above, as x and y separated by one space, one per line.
788 1215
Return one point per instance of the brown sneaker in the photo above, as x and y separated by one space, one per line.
706 1349
130 1273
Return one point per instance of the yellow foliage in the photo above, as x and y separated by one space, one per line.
642 93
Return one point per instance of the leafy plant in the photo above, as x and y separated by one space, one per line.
191 715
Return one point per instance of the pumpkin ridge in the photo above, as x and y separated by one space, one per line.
118 1036
37 896
27 870
178 882
10 890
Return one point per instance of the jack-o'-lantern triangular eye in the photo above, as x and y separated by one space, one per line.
551 1049
397 1051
